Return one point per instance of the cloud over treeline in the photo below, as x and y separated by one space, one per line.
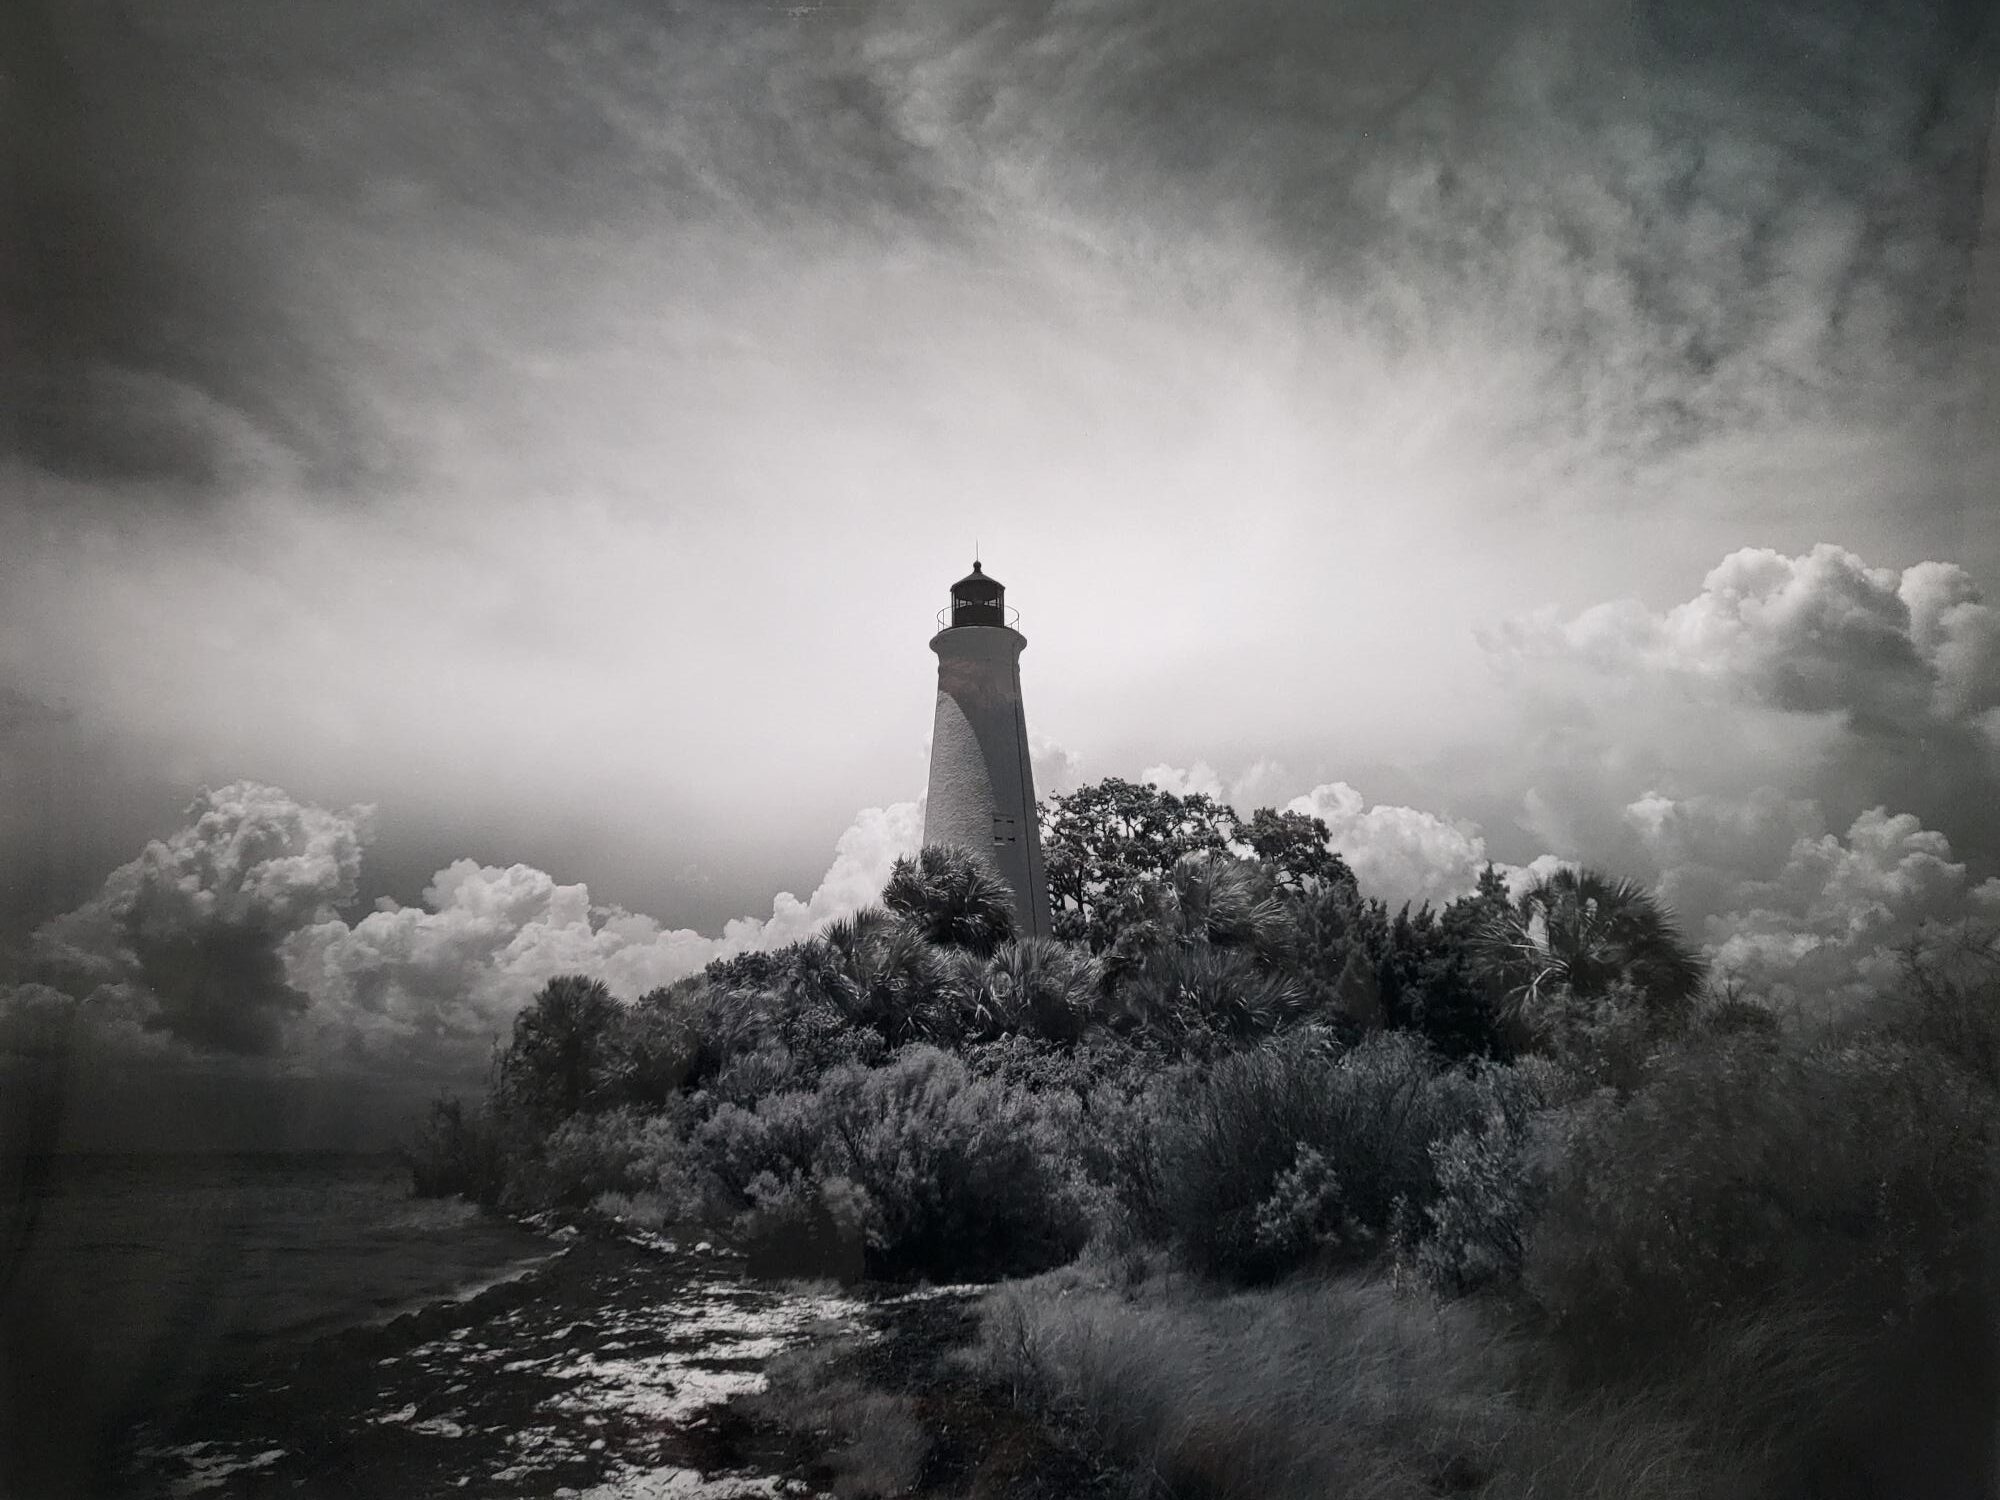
1816 677
226 941
184 941
232 939
1708 748
1796 913
1804 757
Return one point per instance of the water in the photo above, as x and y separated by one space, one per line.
127 1283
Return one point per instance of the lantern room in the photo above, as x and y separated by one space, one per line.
978 600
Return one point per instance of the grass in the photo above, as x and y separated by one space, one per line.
1321 1387
868 1443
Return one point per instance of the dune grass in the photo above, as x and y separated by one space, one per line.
1323 1387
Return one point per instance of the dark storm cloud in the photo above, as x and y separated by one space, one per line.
1711 212
1708 212
180 180
184 941
145 335
1845 686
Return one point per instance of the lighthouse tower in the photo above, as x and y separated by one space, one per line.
982 791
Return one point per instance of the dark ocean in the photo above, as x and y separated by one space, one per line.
128 1282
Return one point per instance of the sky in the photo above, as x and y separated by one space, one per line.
476 480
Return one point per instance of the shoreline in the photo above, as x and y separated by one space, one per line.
622 1367
598 1369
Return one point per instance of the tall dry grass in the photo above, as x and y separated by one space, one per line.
1322 1388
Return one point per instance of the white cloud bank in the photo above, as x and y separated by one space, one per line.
1795 756
1671 753
1796 913
225 939
1399 854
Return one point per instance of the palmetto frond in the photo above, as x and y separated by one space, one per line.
876 971
1218 898
1584 931
953 899
1202 987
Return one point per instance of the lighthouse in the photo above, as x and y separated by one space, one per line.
982 789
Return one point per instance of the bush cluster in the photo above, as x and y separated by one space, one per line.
1235 1058
1307 1152
1245 1059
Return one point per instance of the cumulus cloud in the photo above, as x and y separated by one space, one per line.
1397 853
1056 768
1794 912
184 939
1198 779
1891 651
225 939
1262 783
443 979
878 837
1817 678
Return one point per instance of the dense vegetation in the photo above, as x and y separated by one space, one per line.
1235 1067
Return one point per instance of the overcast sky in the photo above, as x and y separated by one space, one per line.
468 436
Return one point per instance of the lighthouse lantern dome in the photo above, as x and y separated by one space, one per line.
977 599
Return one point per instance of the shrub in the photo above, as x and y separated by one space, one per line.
678 1038
1492 1179
801 1225
865 1442
1848 1176
620 1151
1603 1041
1297 1151
951 899
775 1136
947 1174
965 1177
1031 987
1949 1002
1316 1388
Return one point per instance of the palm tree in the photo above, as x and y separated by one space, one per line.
876 971
952 899
1044 987
1179 990
1230 902
564 1049
1583 932
1204 900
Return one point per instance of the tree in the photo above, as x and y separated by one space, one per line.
1294 847
1029 987
1178 992
565 1054
1100 843
1206 898
1581 935
1419 970
952 899
877 972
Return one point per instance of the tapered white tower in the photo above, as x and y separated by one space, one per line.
982 791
